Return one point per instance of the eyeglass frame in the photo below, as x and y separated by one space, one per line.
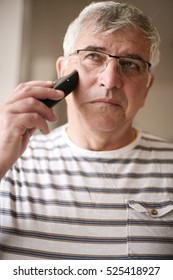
149 65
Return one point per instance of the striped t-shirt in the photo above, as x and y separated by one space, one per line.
60 201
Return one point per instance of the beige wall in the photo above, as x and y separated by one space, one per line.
45 22
11 22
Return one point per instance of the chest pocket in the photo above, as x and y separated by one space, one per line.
150 229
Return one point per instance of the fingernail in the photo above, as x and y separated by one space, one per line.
60 93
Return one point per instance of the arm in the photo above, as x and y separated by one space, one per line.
20 115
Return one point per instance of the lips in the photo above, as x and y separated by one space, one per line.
108 101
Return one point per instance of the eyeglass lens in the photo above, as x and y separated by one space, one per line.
97 60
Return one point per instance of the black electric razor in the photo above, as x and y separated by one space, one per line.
67 84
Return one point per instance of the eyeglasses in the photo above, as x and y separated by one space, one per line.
97 60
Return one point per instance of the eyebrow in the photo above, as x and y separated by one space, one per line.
135 56
129 55
95 48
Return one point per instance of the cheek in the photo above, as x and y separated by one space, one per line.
136 97
75 99
143 93
84 91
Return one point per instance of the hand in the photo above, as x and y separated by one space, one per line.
20 115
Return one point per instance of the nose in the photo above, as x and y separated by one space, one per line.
110 76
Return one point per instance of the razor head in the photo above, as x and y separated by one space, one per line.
67 84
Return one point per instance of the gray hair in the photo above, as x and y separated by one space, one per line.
108 17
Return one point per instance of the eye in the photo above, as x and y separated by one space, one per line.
131 67
129 64
94 57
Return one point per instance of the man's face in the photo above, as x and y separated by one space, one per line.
107 100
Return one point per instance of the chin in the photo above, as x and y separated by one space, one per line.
103 119
104 125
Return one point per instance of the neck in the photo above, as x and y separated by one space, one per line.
96 140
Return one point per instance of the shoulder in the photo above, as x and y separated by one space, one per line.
53 135
155 142
47 142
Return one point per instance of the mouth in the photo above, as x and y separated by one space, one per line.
105 101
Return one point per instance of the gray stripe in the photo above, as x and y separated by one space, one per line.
130 190
151 223
64 203
63 220
87 222
150 239
57 255
158 149
94 174
64 238
100 160
157 140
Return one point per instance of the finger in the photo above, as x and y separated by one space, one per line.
36 91
35 84
30 122
32 105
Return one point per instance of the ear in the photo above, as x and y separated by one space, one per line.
60 66
150 81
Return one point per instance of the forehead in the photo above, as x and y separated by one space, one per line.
119 42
